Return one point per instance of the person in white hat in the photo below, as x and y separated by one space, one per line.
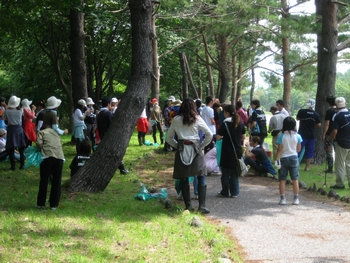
50 117
16 137
90 120
114 105
79 116
341 134
309 119
28 116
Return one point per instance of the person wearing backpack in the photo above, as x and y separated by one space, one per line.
258 126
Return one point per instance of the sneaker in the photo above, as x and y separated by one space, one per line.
53 208
283 202
124 171
337 187
39 206
295 201
219 194
233 196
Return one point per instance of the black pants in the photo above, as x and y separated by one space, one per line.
256 167
50 166
154 131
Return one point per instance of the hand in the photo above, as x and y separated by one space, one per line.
278 164
65 131
33 108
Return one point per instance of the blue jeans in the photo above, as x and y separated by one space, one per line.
195 185
289 164
229 180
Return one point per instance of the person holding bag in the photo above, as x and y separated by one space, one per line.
232 132
189 158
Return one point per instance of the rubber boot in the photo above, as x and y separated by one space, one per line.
12 161
22 158
330 166
143 140
186 195
161 140
140 141
202 192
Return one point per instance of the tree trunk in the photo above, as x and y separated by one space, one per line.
200 87
285 56
190 78
224 68
239 83
99 170
253 86
327 41
77 53
210 75
156 67
184 75
234 79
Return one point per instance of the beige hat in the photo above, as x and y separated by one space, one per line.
114 100
176 103
2 132
340 102
171 98
89 101
14 102
26 103
82 102
53 103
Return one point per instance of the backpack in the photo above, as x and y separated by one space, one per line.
174 111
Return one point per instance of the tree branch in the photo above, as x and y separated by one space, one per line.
343 45
344 20
301 65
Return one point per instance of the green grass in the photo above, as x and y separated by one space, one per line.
106 227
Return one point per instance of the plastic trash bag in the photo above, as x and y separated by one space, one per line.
33 157
145 195
177 184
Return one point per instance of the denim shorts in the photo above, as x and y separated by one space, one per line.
290 164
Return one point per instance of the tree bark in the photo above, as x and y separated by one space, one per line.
184 75
327 41
156 67
253 86
99 170
77 53
285 56
234 79
209 72
190 78
224 68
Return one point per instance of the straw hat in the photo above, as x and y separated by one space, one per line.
14 102
53 103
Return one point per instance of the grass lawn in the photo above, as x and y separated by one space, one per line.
105 227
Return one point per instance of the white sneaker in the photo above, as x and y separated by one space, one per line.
283 202
295 201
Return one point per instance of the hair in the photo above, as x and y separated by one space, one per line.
256 139
208 99
188 111
330 100
105 101
41 104
256 103
239 104
231 110
85 148
280 102
80 107
289 124
216 105
198 103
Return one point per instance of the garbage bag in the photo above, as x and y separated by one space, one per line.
33 157
177 184
145 195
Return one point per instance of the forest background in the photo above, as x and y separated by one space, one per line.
74 49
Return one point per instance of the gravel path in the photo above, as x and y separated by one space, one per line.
268 232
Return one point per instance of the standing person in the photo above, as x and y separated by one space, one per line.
208 117
261 163
280 107
258 120
114 105
50 146
156 119
309 119
142 127
79 124
16 138
189 159
90 120
104 120
50 117
341 133
232 132
166 114
275 127
28 116
289 144
2 112
243 116
327 132
39 116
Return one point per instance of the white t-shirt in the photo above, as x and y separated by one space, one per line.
207 114
289 143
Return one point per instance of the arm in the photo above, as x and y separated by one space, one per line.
272 124
279 150
333 135
325 129
298 147
212 121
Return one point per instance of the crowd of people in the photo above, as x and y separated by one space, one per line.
207 139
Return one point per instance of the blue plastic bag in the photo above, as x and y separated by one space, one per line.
218 146
144 195
33 157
